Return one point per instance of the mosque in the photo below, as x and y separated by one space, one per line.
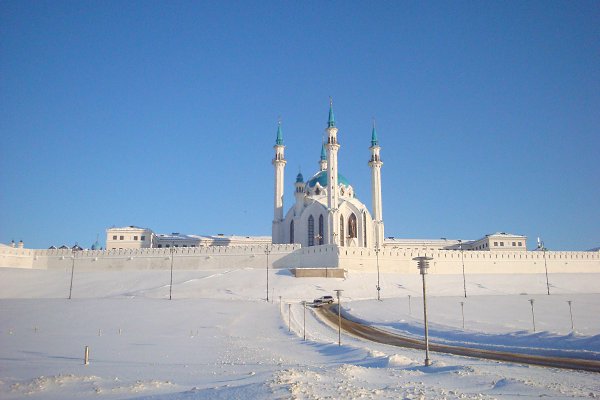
326 210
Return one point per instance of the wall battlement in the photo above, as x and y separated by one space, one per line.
294 256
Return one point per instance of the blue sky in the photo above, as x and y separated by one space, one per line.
164 114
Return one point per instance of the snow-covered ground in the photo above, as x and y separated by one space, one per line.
219 338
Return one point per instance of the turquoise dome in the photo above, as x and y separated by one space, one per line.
323 180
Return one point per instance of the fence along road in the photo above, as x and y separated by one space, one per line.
329 313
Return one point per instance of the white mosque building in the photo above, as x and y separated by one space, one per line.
326 211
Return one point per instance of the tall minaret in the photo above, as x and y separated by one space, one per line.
323 160
332 147
279 165
375 164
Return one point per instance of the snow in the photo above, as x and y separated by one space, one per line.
219 339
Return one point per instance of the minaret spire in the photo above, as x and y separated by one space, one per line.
331 121
279 140
278 162
323 160
375 164
374 140
332 148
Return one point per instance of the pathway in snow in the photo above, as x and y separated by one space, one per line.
380 336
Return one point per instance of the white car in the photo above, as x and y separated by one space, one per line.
323 300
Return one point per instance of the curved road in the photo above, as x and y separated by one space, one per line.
329 313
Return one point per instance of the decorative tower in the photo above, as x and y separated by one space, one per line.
375 164
332 148
323 160
279 165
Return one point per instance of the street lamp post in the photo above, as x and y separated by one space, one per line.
423 265
542 247
462 309
462 258
377 258
267 251
532 314
571 313
338 292
409 307
304 320
172 260
72 273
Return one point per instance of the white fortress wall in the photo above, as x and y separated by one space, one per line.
293 256
475 262
14 257
211 257
326 255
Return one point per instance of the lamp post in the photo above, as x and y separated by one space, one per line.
532 314
338 292
571 313
304 320
462 258
172 260
267 251
409 307
72 272
423 265
542 247
462 309
377 261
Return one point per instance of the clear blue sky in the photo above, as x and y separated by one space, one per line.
164 114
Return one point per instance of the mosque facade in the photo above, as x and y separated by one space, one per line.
326 210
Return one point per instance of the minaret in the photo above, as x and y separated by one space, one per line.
323 160
279 165
375 164
332 148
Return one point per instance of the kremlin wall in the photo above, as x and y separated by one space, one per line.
291 256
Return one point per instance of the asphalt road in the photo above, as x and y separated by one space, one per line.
329 313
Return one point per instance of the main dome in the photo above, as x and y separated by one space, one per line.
322 178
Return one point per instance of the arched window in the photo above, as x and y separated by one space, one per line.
321 230
341 230
311 231
352 228
292 232
365 228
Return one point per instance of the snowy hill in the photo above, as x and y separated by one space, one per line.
219 338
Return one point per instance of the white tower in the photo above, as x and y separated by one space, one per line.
279 165
375 164
332 147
